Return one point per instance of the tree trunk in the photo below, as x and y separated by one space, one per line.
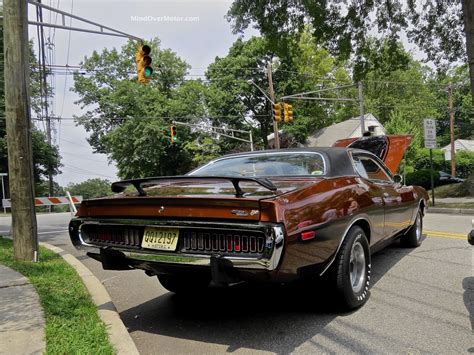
468 15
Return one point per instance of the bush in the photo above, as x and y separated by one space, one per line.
464 162
422 178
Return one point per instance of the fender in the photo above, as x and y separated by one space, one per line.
351 224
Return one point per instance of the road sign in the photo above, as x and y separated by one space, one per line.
429 126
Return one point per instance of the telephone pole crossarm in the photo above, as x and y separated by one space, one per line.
301 94
319 98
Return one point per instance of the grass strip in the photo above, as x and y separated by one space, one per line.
72 323
466 205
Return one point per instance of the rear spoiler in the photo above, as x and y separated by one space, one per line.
120 186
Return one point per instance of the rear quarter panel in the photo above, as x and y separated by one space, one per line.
328 208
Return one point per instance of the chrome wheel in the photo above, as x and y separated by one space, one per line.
418 227
357 267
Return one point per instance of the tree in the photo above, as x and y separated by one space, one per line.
130 122
396 84
443 29
458 77
90 188
303 68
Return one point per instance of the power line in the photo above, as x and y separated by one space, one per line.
86 172
67 58
81 156
154 117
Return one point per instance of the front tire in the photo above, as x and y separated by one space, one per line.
412 238
183 284
352 270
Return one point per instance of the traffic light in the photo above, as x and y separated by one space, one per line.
277 111
288 113
143 60
174 134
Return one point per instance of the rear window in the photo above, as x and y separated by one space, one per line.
269 164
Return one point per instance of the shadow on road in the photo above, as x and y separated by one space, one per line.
275 318
468 285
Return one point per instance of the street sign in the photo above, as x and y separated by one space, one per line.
429 127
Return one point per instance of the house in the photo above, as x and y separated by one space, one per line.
327 136
459 144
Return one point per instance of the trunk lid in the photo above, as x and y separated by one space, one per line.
390 149
204 199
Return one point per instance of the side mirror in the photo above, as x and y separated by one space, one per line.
397 179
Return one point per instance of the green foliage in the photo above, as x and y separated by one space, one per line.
72 323
302 69
142 147
230 94
423 160
90 188
129 121
344 27
462 103
422 178
393 64
203 150
464 162
400 124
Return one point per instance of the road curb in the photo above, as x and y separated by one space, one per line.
117 332
468 211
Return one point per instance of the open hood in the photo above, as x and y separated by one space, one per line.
390 149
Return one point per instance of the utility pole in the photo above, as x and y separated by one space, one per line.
18 124
361 108
276 137
451 129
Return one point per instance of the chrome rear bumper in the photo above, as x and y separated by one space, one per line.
268 260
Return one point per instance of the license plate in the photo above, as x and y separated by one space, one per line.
160 238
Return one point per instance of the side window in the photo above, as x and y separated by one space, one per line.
359 167
370 169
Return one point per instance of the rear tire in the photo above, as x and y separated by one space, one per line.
352 270
412 238
183 284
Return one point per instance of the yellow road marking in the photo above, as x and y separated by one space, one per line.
440 234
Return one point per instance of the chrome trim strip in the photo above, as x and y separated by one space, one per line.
342 240
270 259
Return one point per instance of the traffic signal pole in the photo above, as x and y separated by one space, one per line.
18 127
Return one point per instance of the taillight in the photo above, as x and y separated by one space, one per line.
308 235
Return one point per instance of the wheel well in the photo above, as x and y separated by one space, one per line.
422 206
362 223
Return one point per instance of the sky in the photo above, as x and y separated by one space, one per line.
195 29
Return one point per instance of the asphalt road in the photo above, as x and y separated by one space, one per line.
421 301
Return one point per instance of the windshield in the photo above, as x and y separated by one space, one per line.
268 164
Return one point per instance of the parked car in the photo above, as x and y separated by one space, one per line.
445 179
277 215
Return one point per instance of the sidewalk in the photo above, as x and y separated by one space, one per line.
451 210
21 315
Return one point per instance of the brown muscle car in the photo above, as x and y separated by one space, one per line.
278 215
